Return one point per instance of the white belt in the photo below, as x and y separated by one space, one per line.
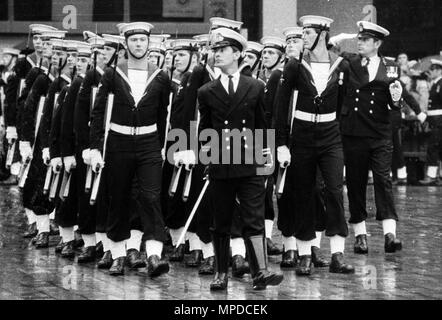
433 113
135 131
311 117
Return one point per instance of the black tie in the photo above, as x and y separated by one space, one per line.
231 89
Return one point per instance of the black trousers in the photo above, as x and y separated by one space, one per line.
398 160
130 157
269 209
362 154
303 195
434 150
250 192
286 218
87 214
66 215
33 197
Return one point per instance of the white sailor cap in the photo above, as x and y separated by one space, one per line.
53 34
11 51
224 37
168 44
436 62
292 32
129 29
273 42
372 30
217 22
184 44
37 28
114 41
93 39
59 45
254 47
72 45
202 39
157 46
84 49
317 22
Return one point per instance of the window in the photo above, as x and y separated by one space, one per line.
31 10
167 10
108 10
3 10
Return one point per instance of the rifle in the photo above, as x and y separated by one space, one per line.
26 166
108 116
10 154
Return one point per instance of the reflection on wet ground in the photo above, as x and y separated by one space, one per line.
414 273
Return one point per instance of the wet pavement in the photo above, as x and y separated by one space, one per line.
413 273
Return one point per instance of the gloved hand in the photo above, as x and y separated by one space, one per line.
284 156
11 134
46 156
86 155
25 150
97 161
422 117
189 159
69 163
178 158
56 164
341 37
396 91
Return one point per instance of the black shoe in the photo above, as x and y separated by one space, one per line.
361 246
272 249
239 266
31 232
59 246
156 267
78 242
392 244
88 254
257 254
53 228
117 268
133 259
339 266
68 250
428 181
305 266
177 254
208 266
219 283
105 261
99 251
196 256
42 240
289 259
401 182
318 261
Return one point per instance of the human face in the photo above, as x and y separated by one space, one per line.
6 59
82 64
294 47
270 57
100 58
156 58
47 49
182 60
309 36
367 46
72 60
137 45
250 59
108 52
402 59
55 58
168 59
38 43
435 72
226 58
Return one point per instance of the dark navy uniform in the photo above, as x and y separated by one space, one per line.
132 154
434 151
366 129
315 142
